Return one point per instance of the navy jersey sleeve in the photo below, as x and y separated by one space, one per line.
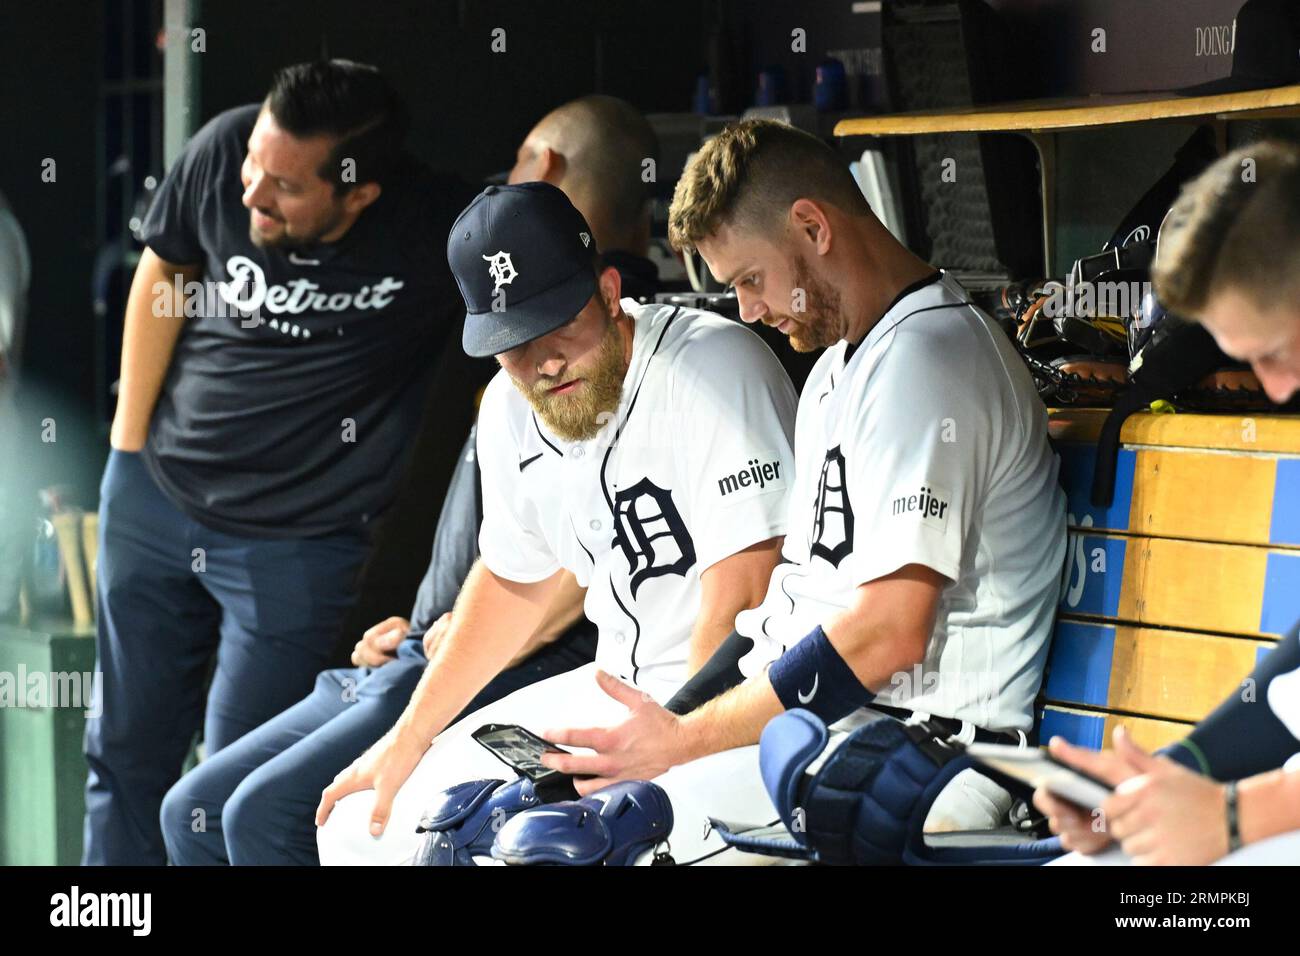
171 227
455 543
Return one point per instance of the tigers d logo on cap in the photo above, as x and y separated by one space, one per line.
501 269
540 265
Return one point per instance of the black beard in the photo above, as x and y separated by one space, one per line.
286 242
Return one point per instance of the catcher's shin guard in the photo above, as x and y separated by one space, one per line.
864 802
463 820
611 827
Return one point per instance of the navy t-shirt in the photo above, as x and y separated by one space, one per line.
299 425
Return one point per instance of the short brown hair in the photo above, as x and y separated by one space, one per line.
1235 226
752 172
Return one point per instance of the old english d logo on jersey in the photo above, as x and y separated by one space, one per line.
832 536
651 533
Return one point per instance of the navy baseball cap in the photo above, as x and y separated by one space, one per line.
523 257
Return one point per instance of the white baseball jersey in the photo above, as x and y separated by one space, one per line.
693 467
927 444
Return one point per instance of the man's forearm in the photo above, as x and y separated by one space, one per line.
735 719
882 632
564 611
154 318
730 586
490 623
711 628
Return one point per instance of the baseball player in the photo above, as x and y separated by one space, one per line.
262 423
926 530
643 448
1225 249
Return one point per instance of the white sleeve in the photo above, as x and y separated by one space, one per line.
510 541
912 473
737 408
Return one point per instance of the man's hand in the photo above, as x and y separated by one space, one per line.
378 645
1082 828
1161 812
1167 815
642 747
434 634
383 768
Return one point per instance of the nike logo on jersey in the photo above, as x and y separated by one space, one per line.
805 698
754 474
528 461
300 261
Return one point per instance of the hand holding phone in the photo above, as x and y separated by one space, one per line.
1038 768
521 750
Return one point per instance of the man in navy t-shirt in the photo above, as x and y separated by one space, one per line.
281 324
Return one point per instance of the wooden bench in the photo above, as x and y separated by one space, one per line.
1172 593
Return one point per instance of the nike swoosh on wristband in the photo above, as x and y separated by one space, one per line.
805 698
528 461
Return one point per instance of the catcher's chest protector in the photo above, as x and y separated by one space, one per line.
463 820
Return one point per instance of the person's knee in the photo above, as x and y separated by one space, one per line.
184 818
176 807
254 813
970 801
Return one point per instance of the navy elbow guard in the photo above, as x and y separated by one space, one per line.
812 675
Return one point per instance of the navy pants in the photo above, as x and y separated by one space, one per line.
173 595
255 801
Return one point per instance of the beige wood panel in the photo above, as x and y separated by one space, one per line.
1073 113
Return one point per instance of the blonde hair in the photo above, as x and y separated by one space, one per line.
1235 226
751 173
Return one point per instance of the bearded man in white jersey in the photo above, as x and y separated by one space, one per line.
645 449
926 530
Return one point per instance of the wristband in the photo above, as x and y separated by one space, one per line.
1234 826
812 675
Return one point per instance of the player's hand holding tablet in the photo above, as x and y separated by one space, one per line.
1133 814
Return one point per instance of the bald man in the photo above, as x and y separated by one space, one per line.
256 798
598 149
